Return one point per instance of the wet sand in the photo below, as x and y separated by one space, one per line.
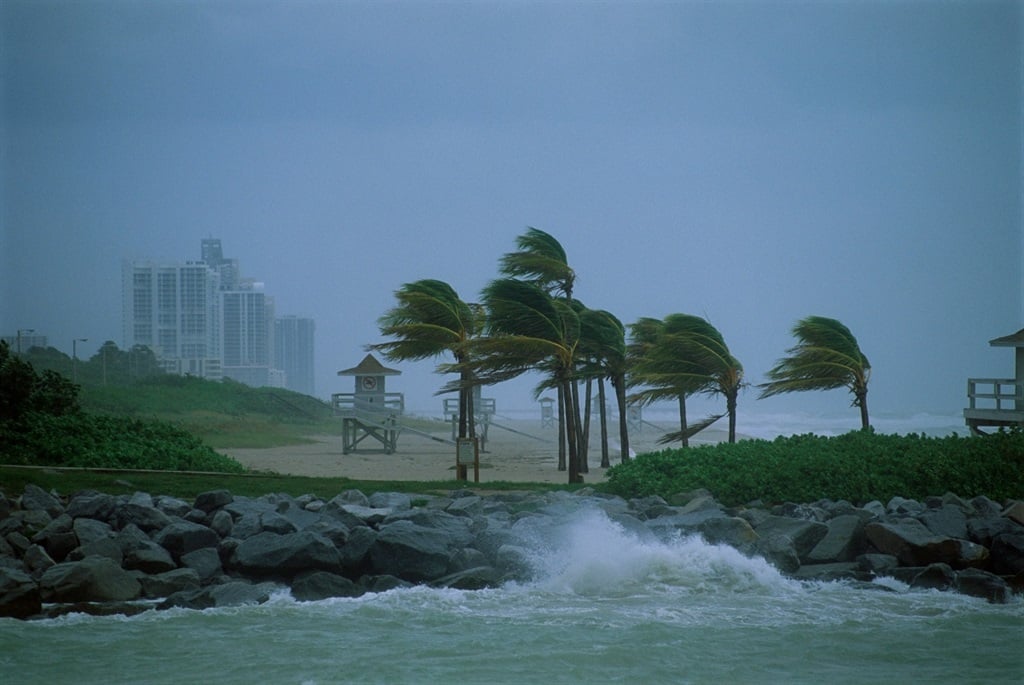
515 451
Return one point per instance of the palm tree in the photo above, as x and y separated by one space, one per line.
693 352
540 260
526 330
603 343
826 356
429 320
667 363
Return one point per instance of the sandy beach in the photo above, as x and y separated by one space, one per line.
515 451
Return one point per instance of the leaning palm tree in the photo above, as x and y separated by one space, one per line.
603 340
540 260
692 352
826 356
664 374
429 320
528 330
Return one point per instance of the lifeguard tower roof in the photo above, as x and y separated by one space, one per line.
1012 340
370 367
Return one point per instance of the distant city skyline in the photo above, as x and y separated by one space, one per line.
751 162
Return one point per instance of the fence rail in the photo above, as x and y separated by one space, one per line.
1004 393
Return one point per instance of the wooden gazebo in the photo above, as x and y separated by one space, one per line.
998 402
370 411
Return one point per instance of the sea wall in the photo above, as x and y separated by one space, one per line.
102 553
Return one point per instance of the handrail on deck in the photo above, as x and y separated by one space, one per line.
1002 390
353 403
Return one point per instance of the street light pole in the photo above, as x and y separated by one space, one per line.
74 358
20 331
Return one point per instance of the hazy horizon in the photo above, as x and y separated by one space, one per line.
751 162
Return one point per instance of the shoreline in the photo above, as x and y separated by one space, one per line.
515 451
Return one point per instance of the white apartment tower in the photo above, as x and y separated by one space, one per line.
201 318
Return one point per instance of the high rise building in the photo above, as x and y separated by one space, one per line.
172 309
202 318
293 352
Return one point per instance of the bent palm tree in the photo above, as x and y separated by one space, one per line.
825 357
541 261
528 330
429 320
603 338
663 364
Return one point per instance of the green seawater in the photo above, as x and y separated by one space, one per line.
607 606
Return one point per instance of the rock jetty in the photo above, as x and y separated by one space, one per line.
101 553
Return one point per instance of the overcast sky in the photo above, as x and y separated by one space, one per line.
751 162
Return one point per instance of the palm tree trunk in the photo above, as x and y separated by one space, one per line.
605 463
619 383
465 395
561 428
730 406
584 445
682 418
571 435
862 402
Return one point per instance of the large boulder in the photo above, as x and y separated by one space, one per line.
34 498
804 533
914 545
947 521
272 555
411 552
93 579
19 594
91 505
979 583
317 585
235 593
145 516
843 541
182 537
169 582
1008 554
212 500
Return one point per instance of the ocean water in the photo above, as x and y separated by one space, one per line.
606 606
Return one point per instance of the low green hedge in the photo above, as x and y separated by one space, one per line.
858 467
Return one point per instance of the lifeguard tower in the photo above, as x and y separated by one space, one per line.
483 409
547 412
369 412
998 402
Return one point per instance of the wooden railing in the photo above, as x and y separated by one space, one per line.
1005 392
353 404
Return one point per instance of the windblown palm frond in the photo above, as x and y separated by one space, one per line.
540 260
825 357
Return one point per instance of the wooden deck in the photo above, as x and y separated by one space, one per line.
994 403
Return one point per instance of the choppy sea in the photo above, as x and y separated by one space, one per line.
605 607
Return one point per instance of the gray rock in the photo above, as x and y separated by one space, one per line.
843 541
947 521
984 530
19 594
318 585
221 523
205 562
382 583
104 547
34 498
182 537
803 533
92 505
1008 554
914 545
396 501
351 497
936 576
145 517
779 551
212 500
270 554
409 551
878 564
354 554
828 572
978 583
728 530
168 583
90 530
37 561
172 506
93 579
235 593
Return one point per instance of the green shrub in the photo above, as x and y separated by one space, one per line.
858 467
